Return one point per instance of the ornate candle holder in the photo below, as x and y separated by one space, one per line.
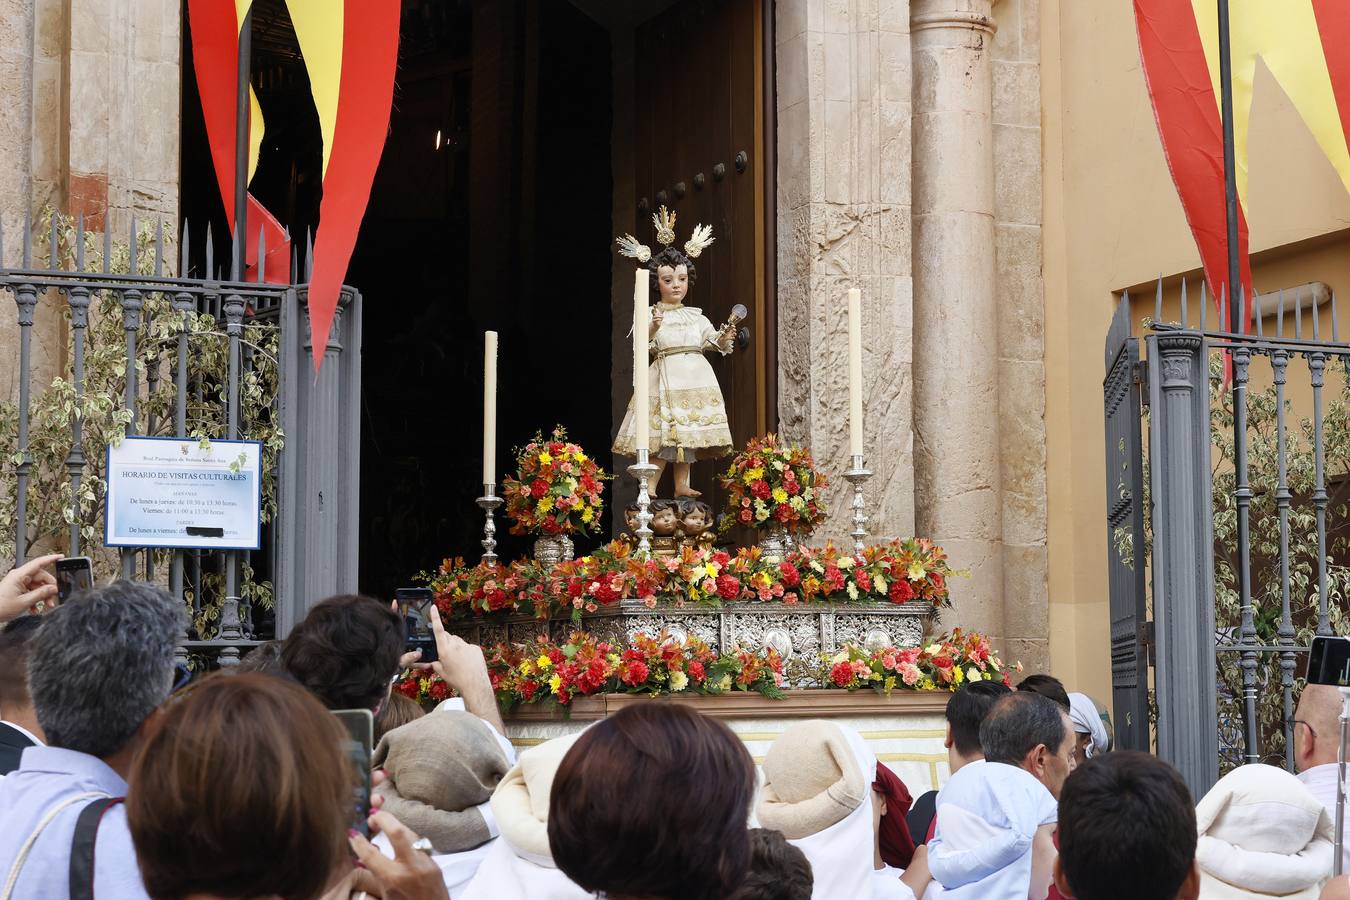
643 470
857 476
488 503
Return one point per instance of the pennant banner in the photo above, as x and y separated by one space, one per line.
215 56
351 52
1306 46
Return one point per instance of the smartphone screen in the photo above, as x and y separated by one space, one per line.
360 727
73 575
414 605
1329 661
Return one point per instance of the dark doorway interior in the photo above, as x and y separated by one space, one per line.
491 209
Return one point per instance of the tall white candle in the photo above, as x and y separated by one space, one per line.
855 385
641 325
489 407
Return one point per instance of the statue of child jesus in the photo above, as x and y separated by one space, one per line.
688 412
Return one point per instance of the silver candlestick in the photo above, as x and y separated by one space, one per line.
643 470
489 503
857 476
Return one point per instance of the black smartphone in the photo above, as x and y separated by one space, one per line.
414 605
360 727
1329 661
73 574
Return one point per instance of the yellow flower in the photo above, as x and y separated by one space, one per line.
579 456
878 584
545 504
779 495
554 683
526 667
545 459
957 675
845 562
916 571
711 569
543 662
587 514
841 656
725 683
678 681
974 674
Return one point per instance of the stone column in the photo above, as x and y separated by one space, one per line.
957 466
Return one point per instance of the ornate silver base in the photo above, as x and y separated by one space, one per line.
488 503
775 542
800 633
643 471
553 549
857 476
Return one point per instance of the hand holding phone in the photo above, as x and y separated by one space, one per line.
27 585
414 605
73 575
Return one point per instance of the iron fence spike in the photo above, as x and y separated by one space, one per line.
107 245
295 261
1204 304
28 238
1279 316
1314 314
133 249
235 255
183 252
262 253
1185 307
1298 314
51 250
1256 313
1157 303
309 255
159 245
210 253
79 243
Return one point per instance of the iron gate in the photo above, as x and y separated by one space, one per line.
1242 537
145 351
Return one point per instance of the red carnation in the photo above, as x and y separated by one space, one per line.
942 662
791 577
439 690
728 586
527 690
696 671
842 674
760 489
901 591
938 581
745 516
635 672
538 488
408 688
783 513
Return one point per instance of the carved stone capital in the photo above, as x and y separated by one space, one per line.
958 15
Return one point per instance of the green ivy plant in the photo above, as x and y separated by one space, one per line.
53 507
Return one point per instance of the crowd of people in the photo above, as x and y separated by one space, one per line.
123 777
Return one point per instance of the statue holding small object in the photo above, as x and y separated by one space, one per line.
688 412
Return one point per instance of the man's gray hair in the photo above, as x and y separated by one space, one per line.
101 663
1020 722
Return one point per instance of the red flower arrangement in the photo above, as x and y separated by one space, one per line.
541 670
770 484
422 686
945 664
556 490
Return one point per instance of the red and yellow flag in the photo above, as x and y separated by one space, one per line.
1304 43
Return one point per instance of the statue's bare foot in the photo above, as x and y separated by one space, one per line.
687 491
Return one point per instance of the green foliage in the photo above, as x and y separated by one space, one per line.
1264 523
53 508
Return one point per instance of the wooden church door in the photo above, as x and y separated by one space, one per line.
700 149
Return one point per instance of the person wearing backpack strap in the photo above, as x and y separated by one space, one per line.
98 668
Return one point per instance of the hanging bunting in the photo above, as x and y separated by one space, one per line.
215 26
351 52
1306 46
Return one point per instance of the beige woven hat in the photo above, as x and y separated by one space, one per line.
812 780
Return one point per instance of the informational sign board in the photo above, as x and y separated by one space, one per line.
171 492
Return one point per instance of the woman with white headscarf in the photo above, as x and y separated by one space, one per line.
817 791
1090 727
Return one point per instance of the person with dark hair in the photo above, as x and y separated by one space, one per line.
99 666
1104 854
264 658
996 817
19 728
1047 686
653 802
965 711
241 790
778 870
400 710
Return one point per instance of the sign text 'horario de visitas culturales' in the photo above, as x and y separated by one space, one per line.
169 492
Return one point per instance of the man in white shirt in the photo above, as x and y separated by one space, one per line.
996 818
1317 735
19 728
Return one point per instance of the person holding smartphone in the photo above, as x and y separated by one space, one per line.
26 586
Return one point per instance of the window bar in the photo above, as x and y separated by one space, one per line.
132 304
77 297
152 370
185 306
230 625
25 298
1279 361
1242 494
